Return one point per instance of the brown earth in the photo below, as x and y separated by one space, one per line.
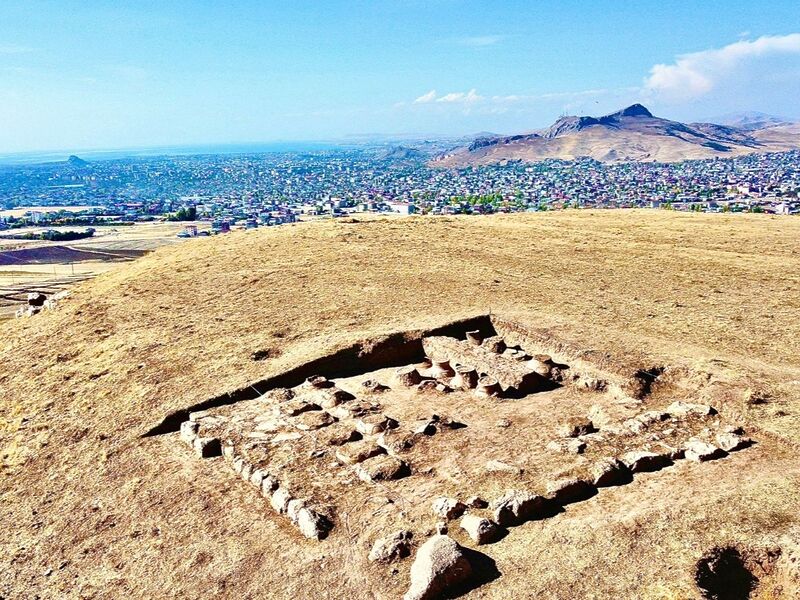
613 146
92 509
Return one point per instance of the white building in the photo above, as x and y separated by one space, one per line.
404 208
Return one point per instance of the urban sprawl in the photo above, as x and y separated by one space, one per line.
275 188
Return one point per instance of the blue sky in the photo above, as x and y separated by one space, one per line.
103 74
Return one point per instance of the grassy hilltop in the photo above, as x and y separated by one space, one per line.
92 509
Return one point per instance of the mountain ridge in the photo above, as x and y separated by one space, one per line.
630 134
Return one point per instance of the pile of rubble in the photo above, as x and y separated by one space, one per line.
486 366
37 302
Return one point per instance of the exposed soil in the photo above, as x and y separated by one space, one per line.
94 508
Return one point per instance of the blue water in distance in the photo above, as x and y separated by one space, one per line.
90 155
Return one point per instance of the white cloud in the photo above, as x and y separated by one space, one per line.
694 75
425 98
475 103
469 97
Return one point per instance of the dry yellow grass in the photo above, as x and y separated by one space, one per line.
93 510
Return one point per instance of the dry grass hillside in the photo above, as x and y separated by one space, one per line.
617 146
92 509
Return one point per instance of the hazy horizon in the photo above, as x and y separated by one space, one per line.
102 76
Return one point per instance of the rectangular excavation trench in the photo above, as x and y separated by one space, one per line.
330 436
392 350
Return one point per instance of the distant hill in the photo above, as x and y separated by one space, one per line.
630 134
75 161
402 153
751 120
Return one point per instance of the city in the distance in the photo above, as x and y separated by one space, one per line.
400 300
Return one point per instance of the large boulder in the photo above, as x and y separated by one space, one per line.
439 565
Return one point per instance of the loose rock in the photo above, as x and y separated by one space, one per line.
480 529
610 471
268 485
700 451
312 524
425 428
338 435
730 442
278 395
395 441
494 344
280 500
476 502
257 478
292 408
391 548
516 507
569 446
356 452
566 491
317 419
189 431
575 426
682 409
293 508
330 397
374 424
382 468
440 564
407 377
497 466
640 462
448 508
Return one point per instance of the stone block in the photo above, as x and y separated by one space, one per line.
480 529
382 468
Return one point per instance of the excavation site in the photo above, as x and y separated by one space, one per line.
379 410
482 432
